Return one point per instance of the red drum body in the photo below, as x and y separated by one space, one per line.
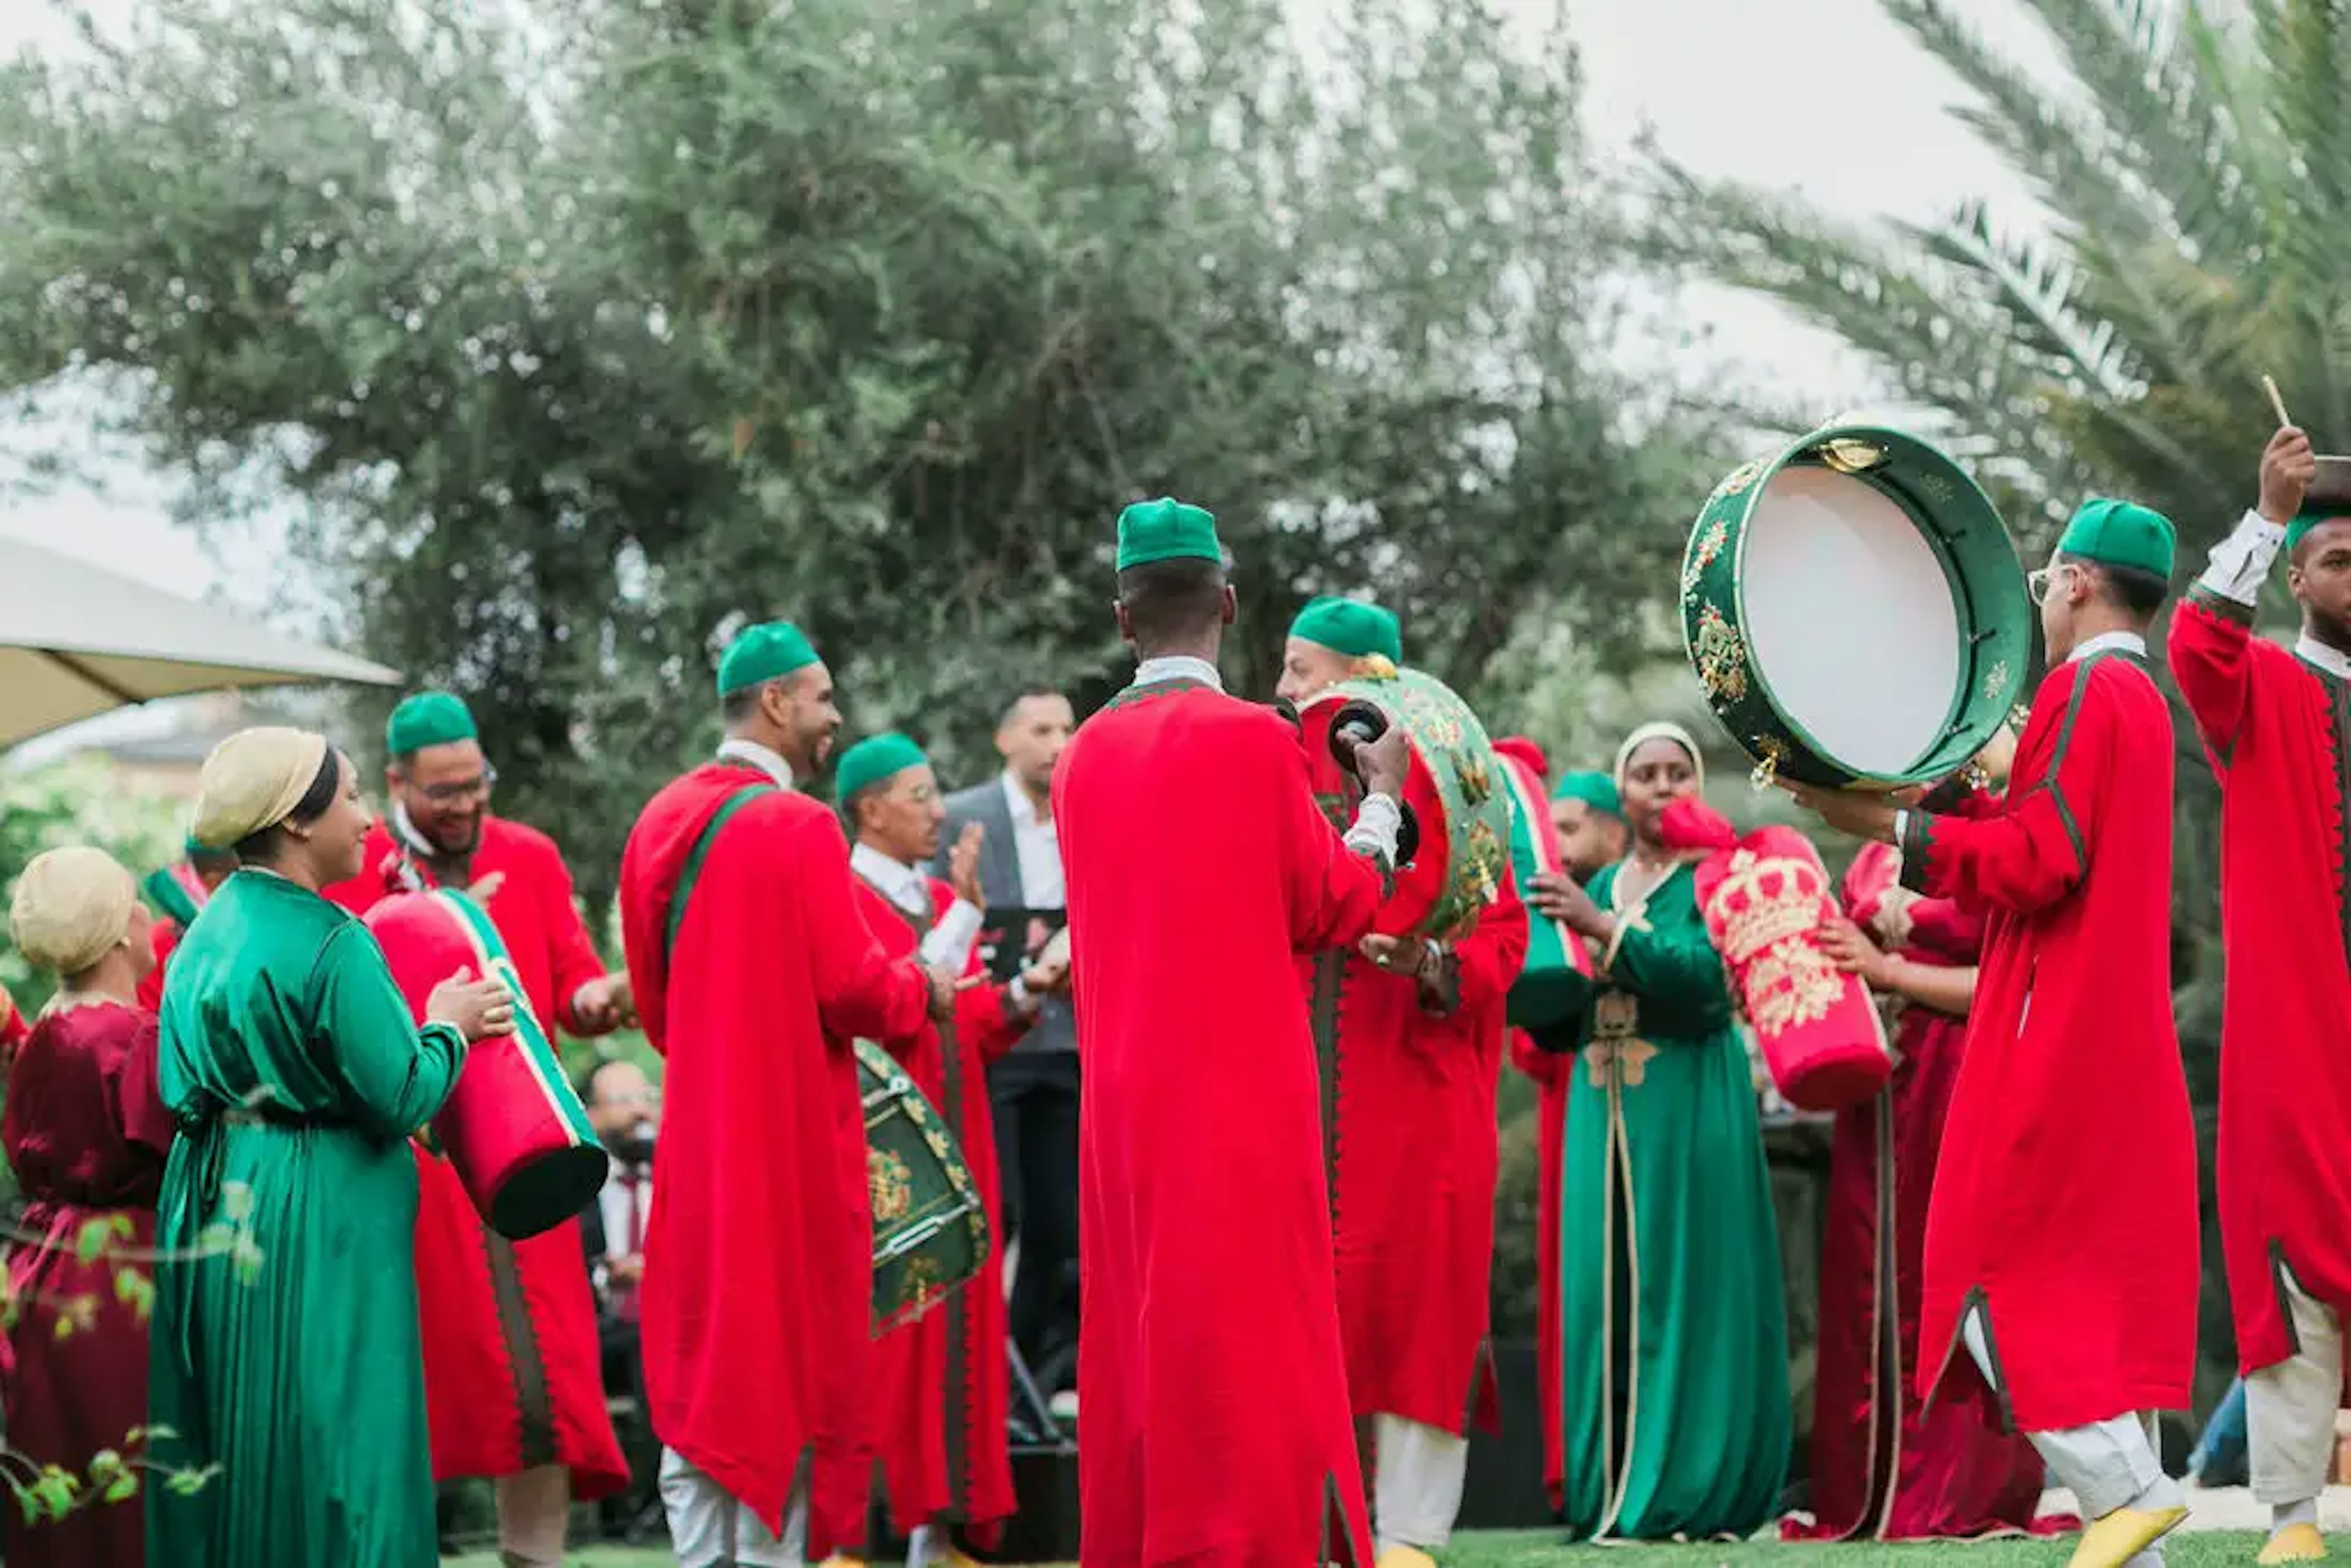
1764 899
512 1129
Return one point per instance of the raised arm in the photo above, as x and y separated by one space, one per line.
1335 882
2036 849
576 963
398 1072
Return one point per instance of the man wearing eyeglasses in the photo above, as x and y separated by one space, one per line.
512 1375
2061 1235
2274 720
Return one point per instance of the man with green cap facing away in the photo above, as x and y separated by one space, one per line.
940 1387
2274 722
1408 1031
1217 1427
755 973
513 1373
2061 1252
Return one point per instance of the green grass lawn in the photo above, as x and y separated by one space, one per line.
1541 1549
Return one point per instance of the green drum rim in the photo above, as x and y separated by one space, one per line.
1470 778
1970 543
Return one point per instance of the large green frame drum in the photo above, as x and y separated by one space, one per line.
1463 771
1854 610
930 1225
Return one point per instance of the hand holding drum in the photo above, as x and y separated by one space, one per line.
480 1009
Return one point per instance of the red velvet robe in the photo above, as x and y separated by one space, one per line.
1413 1171
88 1135
939 1385
1217 1422
1551 1070
1882 1465
759 1261
513 1372
2273 727
2064 1201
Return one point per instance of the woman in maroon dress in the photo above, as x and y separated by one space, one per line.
1881 1468
87 1133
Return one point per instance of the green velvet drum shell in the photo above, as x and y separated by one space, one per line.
1732 587
930 1225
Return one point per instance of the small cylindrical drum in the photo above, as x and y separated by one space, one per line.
1454 789
1553 990
512 1129
1764 899
930 1225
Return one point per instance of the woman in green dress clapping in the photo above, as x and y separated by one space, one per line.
1674 1400
285 1364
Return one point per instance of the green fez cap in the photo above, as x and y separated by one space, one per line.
760 653
1595 789
428 718
1166 529
2120 533
1350 627
2328 498
870 761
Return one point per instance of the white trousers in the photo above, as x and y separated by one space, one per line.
1417 1476
2290 1408
533 1509
708 1529
2106 1465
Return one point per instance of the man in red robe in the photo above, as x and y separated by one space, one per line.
2062 1234
2274 723
177 893
513 1370
940 1384
1411 1038
755 973
1216 1421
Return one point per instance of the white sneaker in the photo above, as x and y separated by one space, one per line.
1064 1406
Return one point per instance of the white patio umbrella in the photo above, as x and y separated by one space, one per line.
77 641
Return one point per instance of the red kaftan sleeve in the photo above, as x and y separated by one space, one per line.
1544 1066
2034 849
859 990
1487 962
986 1018
576 962
138 1095
1334 892
2211 658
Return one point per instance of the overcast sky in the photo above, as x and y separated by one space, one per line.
1824 95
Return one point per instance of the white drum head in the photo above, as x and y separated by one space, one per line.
1849 619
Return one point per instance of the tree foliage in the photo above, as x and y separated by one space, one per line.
582 330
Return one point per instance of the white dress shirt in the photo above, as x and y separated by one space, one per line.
948 944
1038 846
1177 667
2129 642
767 762
2239 564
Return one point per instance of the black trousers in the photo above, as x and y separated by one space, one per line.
1035 1098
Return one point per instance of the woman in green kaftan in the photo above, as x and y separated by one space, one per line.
1674 1370
286 1365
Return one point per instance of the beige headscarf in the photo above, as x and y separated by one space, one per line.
1659 729
71 906
253 781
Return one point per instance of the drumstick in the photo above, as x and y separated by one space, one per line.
2276 401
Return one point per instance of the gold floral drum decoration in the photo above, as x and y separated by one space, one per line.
1854 610
930 1226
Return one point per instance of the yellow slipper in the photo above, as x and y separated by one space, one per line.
2295 1544
2124 1535
1406 1557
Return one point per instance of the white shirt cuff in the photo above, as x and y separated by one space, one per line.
1017 993
1374 831
2239 563
948 946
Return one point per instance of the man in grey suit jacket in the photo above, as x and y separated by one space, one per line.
1034 1090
